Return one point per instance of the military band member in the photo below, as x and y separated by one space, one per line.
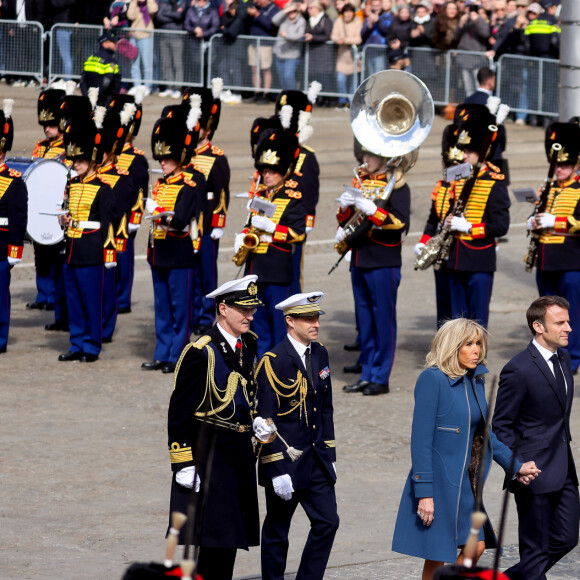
174 204
90 239
375 269
213 400
558 266
295 394
13 218
307 171
275 157
213 163
472 258
133 160
441 201
48 258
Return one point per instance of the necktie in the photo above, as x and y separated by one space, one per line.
559 375
239 349
308 364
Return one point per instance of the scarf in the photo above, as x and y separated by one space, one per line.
314 20
144 11
421 20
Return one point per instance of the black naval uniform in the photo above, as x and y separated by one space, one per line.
213 402
303 414
13 218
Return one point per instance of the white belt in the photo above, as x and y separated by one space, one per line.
3 221
86 225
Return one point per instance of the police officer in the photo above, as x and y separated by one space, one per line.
558 266
90 238
133 160
13 218
472 257
174 204
213 163
307 172
295 410
376 269
212 406
271 260
442 198
48 258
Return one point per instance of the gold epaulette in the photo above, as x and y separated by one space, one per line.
202 341
138 151
309 149
318 342
253 334
14 173
217 151
189 182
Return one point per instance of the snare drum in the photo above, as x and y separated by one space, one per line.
46 181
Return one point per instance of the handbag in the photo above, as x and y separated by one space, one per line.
127 49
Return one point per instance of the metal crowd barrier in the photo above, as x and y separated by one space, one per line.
21 49
242 63
163 58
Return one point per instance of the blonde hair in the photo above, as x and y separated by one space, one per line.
444 352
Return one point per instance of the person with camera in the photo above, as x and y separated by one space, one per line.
375 30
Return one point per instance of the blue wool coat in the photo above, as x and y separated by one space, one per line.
441 442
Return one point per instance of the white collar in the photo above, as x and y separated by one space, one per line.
230 338
546 353
482 90
298 346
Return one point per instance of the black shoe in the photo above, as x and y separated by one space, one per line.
123 310
107 339
2 350
251 99
376 389
357 387
352 346
36 306
87 357
168 368
154 365
355 368
70 356
263 100
57 325
49 307
201 329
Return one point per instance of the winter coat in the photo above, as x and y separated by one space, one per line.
171 14
208 21
441 444
473 36
291 45
350 32
135 16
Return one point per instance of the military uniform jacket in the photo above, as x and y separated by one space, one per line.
307 174
91 202
488 211
381 247
134 161
212 404
13 213
212 162
47 149
272 261
172 246
560 245
442 194
301 411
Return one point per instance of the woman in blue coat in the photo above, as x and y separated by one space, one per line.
438 499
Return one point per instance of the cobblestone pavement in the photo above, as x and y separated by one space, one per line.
84 468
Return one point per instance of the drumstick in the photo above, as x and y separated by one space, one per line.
177 521
477 520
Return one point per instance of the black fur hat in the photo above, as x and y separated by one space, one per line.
6 126
567 135
49 107
277 149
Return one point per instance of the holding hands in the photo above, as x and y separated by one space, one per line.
528 473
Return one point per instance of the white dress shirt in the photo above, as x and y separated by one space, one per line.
300 349
547 355
230 338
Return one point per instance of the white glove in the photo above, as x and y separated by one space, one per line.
13 261
346 199
151 205
110 265
547 220
283 486
217 233
262 430
263 223
531 223
367 206
340 235
238 241
133 227
186 476
418 249
348 257
460 224
308 230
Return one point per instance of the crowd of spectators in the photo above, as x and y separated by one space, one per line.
494 27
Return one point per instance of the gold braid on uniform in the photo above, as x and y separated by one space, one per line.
299 385
223 396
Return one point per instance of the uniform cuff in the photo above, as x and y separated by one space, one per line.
121 244
342 216
310 219
424 239
561 224
136 217
280 234
218 220
379 217
15 251
478 231
109 256
181 456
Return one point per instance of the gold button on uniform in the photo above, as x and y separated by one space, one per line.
315 408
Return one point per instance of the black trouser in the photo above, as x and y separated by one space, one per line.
216 563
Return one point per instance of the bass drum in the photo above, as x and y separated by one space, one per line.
46 182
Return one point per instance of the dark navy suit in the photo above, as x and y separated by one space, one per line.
303 415
532 414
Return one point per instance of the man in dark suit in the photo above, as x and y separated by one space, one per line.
532 416
295 423
486 86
